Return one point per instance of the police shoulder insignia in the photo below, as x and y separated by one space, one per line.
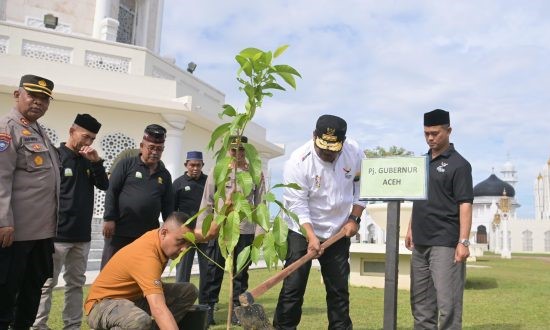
157 282
24 121
5 140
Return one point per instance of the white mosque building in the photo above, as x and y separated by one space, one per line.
104 58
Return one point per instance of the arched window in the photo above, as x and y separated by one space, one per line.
127 22
481 236
527 240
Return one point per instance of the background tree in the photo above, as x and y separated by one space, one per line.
392 151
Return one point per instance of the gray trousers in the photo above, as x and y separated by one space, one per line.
437 287
74 256
136 315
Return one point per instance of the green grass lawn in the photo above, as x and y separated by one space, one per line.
500 294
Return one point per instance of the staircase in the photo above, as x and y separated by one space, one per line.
96 246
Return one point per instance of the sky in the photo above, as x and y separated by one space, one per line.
380 65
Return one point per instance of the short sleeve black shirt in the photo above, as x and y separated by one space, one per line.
435 221
188 194
136 198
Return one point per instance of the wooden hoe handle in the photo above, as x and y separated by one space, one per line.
272 281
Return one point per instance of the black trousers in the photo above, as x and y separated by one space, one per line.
214 275
335 271
24 267
183 269
112 245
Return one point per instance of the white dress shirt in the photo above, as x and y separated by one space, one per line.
328 189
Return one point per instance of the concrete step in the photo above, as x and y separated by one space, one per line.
95 253
93 264
97 236
97 244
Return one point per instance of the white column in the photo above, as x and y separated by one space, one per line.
158 27
102 11
172 155
506 252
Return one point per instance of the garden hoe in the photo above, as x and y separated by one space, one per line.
252 316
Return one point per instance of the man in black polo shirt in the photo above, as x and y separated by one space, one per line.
140 189
188 190
82 170
439 230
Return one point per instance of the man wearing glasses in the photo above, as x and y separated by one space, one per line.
29 197
140 189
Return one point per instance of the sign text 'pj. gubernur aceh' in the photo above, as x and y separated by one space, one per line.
394 178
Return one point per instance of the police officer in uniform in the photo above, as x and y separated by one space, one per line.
140 189
29 195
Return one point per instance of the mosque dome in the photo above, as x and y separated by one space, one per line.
493 186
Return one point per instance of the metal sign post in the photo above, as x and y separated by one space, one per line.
393 180
392 260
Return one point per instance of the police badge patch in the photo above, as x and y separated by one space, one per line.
5 140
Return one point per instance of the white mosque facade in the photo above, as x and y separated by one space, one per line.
502 232
104 58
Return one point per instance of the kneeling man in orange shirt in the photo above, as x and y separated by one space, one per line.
128 291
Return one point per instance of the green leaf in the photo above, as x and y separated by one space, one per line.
254 162
272 85
280 50
231 231
243 258
266 58
255 254
189 236
221 169
270 197
281 251
228 111
261 216
241 204
270 255
206 224
282 68
244 180
288 78
250 52
219 131
288 185
280 231
249 90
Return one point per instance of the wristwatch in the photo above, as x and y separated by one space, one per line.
464 242
355 218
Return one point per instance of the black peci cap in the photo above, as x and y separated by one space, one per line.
154 133
436 117
87 122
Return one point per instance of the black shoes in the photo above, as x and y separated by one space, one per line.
211 315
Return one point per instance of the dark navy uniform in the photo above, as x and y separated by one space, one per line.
134 200
188 195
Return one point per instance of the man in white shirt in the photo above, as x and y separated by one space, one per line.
327 168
